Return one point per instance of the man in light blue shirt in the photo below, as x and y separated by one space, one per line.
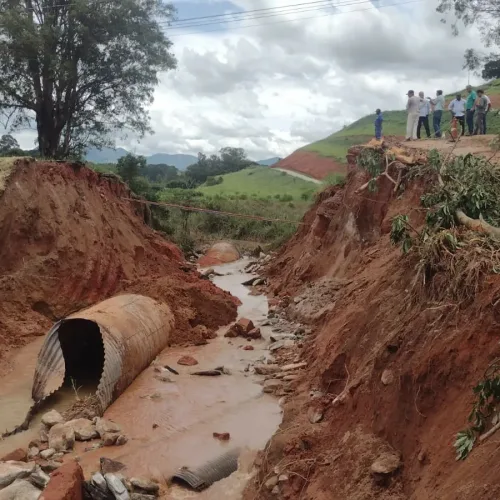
470 105
423 118
438 104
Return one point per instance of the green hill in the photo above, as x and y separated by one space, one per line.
336 145
261 182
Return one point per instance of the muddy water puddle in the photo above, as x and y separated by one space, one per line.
170 424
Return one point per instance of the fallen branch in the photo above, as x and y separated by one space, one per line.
385 173
478 225
492 431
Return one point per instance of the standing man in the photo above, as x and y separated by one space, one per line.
480 105
412 108
424 109
437 116
378 124
487 111
457 108
471 99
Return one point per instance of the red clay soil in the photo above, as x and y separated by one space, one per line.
70 239
311 164
434 353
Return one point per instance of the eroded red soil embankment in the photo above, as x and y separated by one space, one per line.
387 374
69 238
311 164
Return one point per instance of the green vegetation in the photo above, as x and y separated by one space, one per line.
262 183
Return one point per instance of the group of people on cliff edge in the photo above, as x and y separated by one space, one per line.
471 111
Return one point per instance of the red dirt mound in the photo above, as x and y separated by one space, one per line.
219 253
70 239
390 373
311 164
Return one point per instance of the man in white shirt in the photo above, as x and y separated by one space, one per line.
457 108
412 108
487 111
424 110
438 104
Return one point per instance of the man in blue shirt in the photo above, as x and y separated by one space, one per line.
438 104
378 124
471 99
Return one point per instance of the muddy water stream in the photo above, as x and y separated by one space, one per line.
171 424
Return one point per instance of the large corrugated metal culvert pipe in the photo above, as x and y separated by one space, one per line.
105 346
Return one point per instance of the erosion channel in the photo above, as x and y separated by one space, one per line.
170 420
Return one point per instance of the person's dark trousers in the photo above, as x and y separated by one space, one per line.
436 122
484 122
461 120
470 121
423 120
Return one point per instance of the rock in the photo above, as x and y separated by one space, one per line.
219 253
208 373
61 437
245 325
271 482
272 385
232 333
18 455
83 428
116 486
207 272
109 439
275 490
52 418
39 479
281 344
66 483
20 490
253 334
44 434
50 466
266 369
104 426
386 463
10 471
290 378
294 366
259 281
92 492
99 482
248 348
187 361
145 485
48 453
121 440
276 337
387 377
283 478
33 452
225 436
141 496
110 466
315 415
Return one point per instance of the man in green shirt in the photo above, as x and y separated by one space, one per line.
471 99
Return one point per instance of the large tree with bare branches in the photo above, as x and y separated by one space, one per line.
81 71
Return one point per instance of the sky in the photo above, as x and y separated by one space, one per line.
286 77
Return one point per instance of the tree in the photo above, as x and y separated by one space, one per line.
81 70
8 143
472 62
129 168
491 70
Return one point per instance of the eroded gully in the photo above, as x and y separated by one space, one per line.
171 424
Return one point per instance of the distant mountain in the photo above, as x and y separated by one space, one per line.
109 155
269 162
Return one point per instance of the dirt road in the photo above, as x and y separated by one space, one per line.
299 175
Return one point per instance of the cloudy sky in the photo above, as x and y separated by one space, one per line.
293 71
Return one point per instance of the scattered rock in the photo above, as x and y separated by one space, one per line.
272 385
141 496
187 361
18 455
386 463
171 370
271 482
315 415
275 490
83 428
121 440
276 337
104 426
110 466
232 333
50 466
290 378
10 471
20 490
248 348
61 437
266 369
208 272
44 434
52 418
99 481
39 479
281 344
109 439
145 485
220 253
294 366
33 452
116 486
283 478
387 377
208 373
245 325
253 334
48 453
224 436
66 483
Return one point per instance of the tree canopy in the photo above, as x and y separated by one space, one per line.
8 143
81 70
491 70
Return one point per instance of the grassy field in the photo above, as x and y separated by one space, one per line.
362 130
261 183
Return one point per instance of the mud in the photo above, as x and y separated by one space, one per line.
311 164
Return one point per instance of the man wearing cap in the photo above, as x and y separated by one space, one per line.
413 110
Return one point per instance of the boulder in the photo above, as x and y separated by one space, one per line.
271 386
61 437
219 253
145 485
48 453
116 486
19 455
104 426
39 479
83 429
10 471
52 418
187 361
253 334
110 466
387 377
50 466
266 369
109 439
121 440
66 483
20 490
387 463
245 325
